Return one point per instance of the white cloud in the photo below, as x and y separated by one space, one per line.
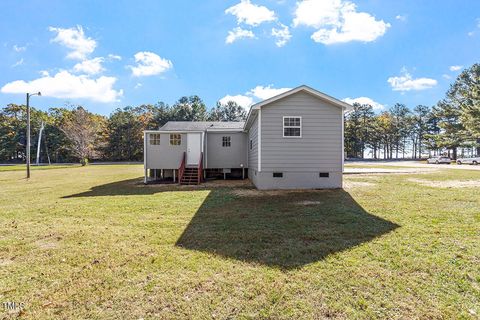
446 76
251 14
282 35
405 82
92 66
256 94
149 64
472 33
75 40
114 57
241 100
18 63
66 85
19 49
365 100
138 85
338 21
264 93
401 17
238 33
455 68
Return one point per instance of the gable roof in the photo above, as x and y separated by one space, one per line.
254 108
202 126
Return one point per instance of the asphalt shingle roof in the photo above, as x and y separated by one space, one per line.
201 125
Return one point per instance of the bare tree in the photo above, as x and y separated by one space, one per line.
82 129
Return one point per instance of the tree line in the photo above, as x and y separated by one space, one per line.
449 127
73 134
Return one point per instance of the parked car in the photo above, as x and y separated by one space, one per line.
470 160
438 160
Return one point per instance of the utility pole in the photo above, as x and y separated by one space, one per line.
28 130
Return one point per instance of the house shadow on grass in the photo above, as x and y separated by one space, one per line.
285 229
128 187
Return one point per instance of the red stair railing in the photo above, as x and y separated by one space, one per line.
200 168
181 170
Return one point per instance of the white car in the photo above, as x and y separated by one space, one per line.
470 160
438 160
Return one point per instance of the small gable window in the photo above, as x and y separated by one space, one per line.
226 141
292 127
175 139
154 139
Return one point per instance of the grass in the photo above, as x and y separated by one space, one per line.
95 243
22 167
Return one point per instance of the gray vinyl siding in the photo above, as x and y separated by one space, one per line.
319 148
165 156
253 153
219 157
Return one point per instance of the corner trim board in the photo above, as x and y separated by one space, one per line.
259 142
145 157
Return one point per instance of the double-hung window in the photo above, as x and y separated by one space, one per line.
154 139
226 141
175 139
292 127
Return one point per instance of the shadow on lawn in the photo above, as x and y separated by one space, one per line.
286 229
282 229
133 186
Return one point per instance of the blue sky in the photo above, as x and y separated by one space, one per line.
109 54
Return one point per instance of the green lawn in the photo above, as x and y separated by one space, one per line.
94 243
22 167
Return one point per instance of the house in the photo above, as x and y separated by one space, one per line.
291 141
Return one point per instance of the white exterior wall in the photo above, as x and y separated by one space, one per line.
300 159
253 152
164 155
219 157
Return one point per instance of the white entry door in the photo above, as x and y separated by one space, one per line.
194 145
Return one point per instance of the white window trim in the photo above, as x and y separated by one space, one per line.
283 127
150 140
228 140
170 139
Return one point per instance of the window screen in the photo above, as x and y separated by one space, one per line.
175 139
154 139
292 126
226 141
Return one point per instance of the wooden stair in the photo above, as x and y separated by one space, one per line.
190 176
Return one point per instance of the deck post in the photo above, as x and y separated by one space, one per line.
173 175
